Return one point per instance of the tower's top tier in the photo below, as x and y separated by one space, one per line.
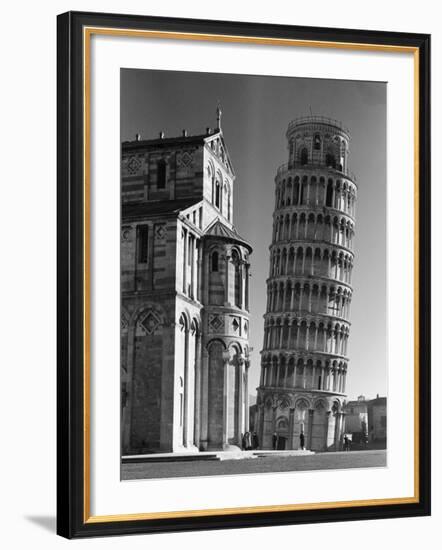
318 141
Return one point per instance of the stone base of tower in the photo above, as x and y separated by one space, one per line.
296 420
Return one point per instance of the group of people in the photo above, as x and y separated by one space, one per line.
250 441
347 443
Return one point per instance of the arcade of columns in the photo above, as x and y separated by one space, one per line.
304 358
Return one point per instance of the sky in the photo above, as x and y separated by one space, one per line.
256 112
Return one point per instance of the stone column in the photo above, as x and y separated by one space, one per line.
197 414
289 336
291 427
127 427
242 284
337 431
327 427
195 269
192 265
240 401
292 297
200 272
204 400
226 359
307 336
187 432
246 397
246 302
310 429
281 334
184 261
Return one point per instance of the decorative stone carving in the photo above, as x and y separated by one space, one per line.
185 159
133 165
160 231
150 322
216 323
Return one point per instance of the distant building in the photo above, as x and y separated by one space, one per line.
356 419
366 421
377 420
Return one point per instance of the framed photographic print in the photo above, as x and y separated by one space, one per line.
243 274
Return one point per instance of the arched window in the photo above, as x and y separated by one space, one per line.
302 197
329 197
237 278
217 194
296 192
317 142
330 160
142 238
304 156
161 174
215 259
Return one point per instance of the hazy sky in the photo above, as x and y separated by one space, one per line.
256 112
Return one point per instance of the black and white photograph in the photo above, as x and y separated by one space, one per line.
222 216
253 274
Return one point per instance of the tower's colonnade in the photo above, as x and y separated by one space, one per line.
309 290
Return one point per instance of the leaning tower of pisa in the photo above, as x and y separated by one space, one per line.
304 357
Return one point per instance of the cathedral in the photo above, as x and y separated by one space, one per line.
184 297
306 329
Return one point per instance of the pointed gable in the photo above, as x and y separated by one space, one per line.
217 145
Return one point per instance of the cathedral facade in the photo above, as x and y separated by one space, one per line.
306 329
184 297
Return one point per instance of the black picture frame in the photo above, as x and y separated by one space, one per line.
72 520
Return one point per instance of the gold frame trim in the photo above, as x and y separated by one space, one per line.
87 34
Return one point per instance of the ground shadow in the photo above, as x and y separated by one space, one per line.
46 522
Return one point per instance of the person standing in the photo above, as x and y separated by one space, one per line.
274 441
301 440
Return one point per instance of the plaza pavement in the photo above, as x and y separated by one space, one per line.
267 464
